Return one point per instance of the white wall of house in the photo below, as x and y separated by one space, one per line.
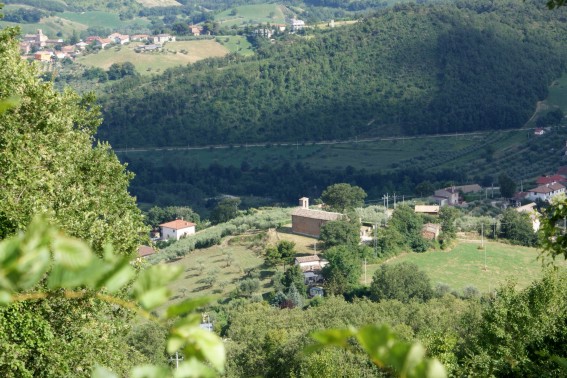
170 233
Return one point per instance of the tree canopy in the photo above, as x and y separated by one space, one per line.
340 197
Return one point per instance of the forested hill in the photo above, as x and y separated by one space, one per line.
472 65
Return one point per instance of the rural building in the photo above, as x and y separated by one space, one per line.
176 229
533 214
545 192
430 231
163 38
119 39
297 25
447 196
143 48
305 221
311 267
144 251
539 131
427 209
43 56
465 189
39 39
544 180
81 45
195 30
139 37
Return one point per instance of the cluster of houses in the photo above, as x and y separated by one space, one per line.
46 49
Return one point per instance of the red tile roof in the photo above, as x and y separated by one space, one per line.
177 224
550 179
144 251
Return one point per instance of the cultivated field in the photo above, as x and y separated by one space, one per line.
49 25
464 265
252 14
173 54
102 19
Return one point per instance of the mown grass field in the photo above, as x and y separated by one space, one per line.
155 62
464 265
236 44
102 19
49 25
252 14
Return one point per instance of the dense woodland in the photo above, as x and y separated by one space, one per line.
475 66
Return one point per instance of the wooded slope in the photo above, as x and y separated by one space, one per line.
411 69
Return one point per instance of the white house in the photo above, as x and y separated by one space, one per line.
297 25
162 38
176 229
119 39
545 192
311 267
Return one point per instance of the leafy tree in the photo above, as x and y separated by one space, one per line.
405 221
158 215
507 185
340 197
226 209
340 232
282 253
517 227
293 276
403 282
448 215
295 297
344 268
424 188
249 286
149 339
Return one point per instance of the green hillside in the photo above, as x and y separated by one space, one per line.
472 68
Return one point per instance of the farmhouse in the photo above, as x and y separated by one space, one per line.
297 25
176 229
533 214
139 37
544 180
305 221
545 192
427 209
43 56
447 196
119 38
145 251
539 131
471 188
311 267
162 38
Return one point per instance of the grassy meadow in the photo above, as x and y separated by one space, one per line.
464 265
155 62
158 3
252 14
236 44
102 19
558 94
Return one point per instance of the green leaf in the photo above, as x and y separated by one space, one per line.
187 306
71 253
101 372
149 371
435 369
149 288
116 277
210 346
193 368
5 298
336 337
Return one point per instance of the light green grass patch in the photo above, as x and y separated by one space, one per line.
464 265
558 94
155 62
49 25
102 19
252 14
236 44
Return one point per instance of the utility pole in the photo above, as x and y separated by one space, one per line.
365 272
376 239
176 359
394 200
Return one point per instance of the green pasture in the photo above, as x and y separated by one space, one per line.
464 265
252 14
236 44
146 63
102 19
